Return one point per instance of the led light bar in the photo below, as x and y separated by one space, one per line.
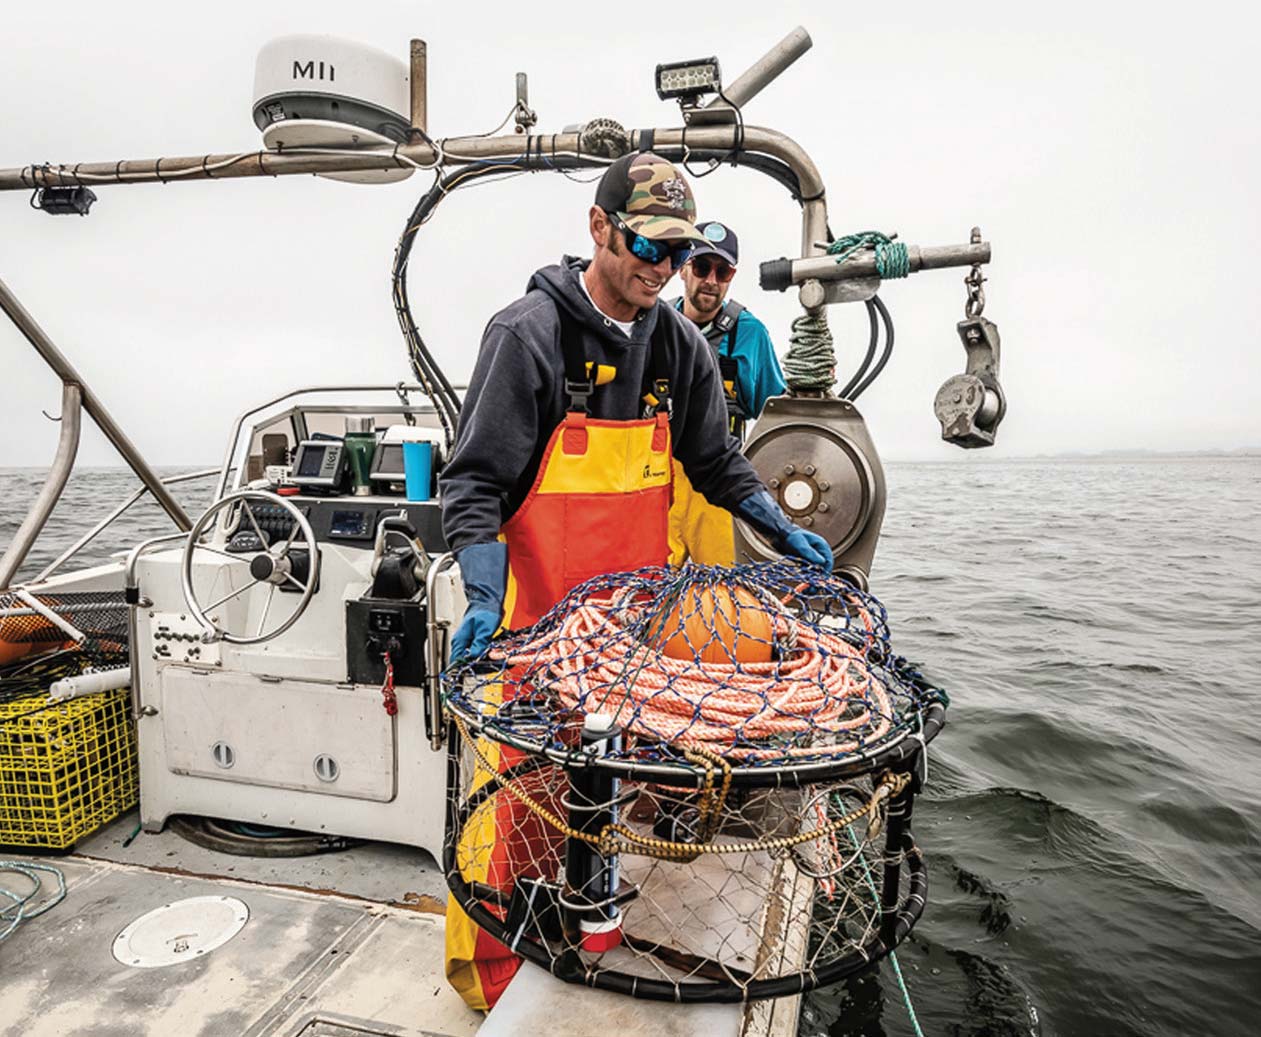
688 79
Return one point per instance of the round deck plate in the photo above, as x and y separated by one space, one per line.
180 931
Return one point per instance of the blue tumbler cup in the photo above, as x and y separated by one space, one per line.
418 470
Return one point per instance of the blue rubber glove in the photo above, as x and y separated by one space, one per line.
485 571
761 512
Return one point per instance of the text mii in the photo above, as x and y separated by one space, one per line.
313 70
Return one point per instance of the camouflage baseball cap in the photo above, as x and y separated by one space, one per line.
650 196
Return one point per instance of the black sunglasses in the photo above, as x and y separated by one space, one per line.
650 250
703 266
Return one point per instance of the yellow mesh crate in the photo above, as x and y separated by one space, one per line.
65 770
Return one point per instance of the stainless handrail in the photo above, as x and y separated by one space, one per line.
130 586
63 462
131 589
438 631
234 443
101 526
55 359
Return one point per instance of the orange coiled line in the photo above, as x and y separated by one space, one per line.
819 698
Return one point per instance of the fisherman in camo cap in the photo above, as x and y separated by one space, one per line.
584 392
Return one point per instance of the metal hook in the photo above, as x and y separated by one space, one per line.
408 416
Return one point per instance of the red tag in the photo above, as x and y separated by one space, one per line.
388 699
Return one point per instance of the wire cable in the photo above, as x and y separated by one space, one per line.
887 320
844 392
730 155
426 369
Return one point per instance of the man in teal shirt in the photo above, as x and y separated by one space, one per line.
750 374
746 357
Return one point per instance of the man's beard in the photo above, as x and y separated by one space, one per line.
705 303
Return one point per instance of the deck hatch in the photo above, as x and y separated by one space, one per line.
181 931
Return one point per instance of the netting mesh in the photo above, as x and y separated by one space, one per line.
34 651
65 768
692 784
762 664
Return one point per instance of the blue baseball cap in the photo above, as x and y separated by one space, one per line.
719 239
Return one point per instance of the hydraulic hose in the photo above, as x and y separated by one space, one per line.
887 320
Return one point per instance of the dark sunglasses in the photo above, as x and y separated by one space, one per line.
651 251
703 266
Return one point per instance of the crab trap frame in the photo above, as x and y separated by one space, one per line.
692 785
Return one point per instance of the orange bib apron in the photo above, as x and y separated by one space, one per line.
600 503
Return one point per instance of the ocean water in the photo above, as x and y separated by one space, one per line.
1092 822
1093 818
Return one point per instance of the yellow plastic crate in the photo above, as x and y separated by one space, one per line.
65 770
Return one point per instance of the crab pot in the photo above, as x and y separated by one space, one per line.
605 825
724 901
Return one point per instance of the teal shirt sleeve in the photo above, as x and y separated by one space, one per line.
758 375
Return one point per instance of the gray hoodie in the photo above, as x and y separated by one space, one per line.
517 397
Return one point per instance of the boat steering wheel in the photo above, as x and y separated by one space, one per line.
272 565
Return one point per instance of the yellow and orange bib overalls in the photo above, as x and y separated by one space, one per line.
600 503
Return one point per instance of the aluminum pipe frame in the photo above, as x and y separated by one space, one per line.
775 275
55 359
453 152
63 463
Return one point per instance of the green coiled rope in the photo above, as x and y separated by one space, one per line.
892 259
810 363
17 910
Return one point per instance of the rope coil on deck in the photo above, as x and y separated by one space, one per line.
18 909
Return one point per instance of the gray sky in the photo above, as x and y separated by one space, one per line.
1110 156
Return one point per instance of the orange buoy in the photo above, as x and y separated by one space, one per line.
22 637
715 624
32 643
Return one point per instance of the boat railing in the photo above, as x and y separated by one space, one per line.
63 462
399 389
113 516
55 359
76 397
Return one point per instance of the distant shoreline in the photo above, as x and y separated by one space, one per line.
989 457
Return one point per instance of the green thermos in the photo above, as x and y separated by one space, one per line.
360 444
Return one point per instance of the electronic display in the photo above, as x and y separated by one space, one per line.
349 524
311 460
319 464
387 465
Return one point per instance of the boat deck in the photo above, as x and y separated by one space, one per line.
346 944
336 944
